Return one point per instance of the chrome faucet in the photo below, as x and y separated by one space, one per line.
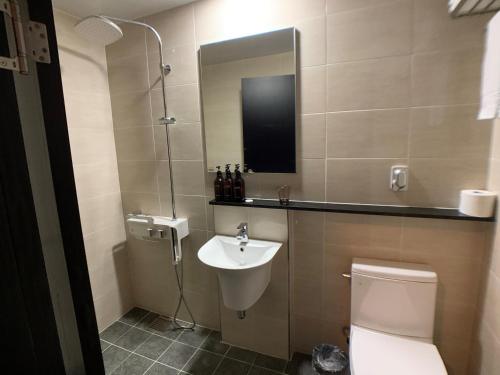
242 235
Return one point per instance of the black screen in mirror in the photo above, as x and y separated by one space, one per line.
268 110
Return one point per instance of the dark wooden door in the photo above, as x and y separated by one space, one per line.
30 342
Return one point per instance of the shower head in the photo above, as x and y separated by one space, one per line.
99 29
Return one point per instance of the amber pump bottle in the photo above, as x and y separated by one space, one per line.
228 185
219 185
238 185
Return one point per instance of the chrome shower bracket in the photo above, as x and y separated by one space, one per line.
167 120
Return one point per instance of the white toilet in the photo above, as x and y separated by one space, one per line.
392 319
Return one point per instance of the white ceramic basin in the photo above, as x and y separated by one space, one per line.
244 270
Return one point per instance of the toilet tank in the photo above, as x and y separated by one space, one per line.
393 297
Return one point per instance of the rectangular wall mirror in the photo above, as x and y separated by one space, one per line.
248 90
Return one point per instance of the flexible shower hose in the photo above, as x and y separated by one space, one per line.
180 286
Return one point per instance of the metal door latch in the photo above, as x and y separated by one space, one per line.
31 40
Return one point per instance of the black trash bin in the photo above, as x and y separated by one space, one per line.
330 360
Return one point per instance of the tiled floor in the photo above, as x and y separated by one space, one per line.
142 342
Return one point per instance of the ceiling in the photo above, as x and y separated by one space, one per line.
130 9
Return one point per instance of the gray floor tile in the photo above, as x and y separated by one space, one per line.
269 362
133 365
164 327
104 345
134 316
194 337
132 339
114 331
213 344
203 363
300 365
159 369
232 367
153 347
113 357
177 355
241 354
262 371
147 320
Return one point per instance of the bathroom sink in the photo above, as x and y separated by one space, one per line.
244 269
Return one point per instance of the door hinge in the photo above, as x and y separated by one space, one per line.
31 40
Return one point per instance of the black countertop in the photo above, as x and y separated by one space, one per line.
359 209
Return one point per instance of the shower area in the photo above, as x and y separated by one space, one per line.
131 100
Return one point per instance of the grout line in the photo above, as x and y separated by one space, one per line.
196 351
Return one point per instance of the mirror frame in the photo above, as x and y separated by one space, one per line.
296 46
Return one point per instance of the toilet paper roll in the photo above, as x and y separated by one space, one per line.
479 203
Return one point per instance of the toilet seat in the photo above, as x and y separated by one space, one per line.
378 353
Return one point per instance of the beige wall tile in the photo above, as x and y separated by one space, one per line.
188 177
437 182
100 212
368 134
312 137
307 184
91 145
312 90
111 289
308 264
87 110
333 6
312 45
131 109
307 297
436 30
193 208
151 275
308 226
182 103
160 139
492 304
307 332
96 179
370 32
101 244
486 360
446 77
448 132
176 27
198 277
363 231
445 238
205 309
184 64
186 142
455 356
371 178
138 176
128 74
495 140
135 144
226 219
336 298
219 20
144 203
73 63
371 84
268 224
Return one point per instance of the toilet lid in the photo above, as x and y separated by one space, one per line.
377 353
